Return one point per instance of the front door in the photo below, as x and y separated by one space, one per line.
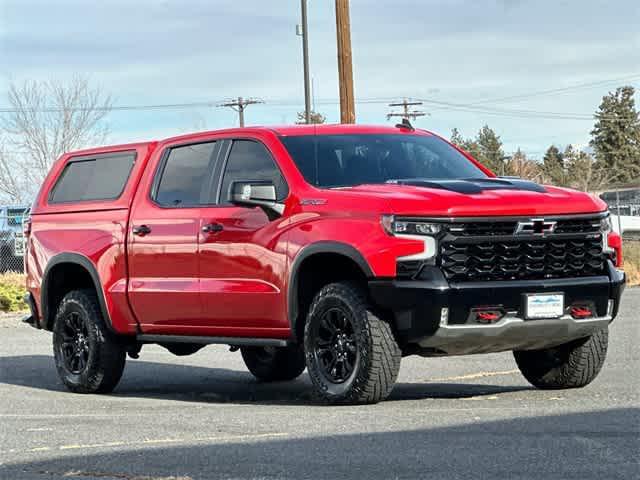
242 266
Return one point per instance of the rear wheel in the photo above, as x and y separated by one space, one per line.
352 355
88 357
274 364
570 365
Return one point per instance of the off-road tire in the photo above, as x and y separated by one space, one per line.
274 364
378 357
106 353
570 365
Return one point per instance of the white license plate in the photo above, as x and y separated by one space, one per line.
544 305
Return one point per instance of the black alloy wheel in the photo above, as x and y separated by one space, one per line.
75 346
335 345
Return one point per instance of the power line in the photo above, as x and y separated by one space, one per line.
520 113
239 106
437 104
165 106
561 90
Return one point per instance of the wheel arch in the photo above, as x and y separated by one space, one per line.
53 290
321 254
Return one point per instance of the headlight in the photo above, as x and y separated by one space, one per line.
605 225
409 227
605 229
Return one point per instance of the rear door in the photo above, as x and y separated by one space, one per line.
163 239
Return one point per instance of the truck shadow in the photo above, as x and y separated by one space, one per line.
215 385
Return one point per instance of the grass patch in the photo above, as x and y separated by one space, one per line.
631 258
12 292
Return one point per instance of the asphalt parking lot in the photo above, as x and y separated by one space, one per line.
204 416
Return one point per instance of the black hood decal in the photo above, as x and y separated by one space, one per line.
474 185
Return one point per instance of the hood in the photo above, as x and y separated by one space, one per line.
480 197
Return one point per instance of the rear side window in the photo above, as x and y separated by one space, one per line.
249 161
183 178
99 178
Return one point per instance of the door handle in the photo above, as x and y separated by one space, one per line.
212 228
141 230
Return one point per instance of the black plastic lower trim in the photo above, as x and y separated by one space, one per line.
239 341
32 318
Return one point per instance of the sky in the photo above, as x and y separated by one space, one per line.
465 59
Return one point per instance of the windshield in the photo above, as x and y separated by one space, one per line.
348 160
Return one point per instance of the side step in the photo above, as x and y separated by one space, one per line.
236 341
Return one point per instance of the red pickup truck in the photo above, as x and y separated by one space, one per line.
335 248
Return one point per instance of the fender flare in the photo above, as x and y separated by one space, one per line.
85 263
339 248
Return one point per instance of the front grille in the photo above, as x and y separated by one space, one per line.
483 251
522 260
499 228
482 229
578 226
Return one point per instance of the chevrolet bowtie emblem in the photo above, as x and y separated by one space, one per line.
536 226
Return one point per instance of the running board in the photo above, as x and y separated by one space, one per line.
236 341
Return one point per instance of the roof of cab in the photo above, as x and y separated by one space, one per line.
284 130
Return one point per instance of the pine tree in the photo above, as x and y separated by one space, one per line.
467 144
490 150
456 138
616 136
553 167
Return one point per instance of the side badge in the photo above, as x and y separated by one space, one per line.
313 201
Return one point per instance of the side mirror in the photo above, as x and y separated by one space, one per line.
257 194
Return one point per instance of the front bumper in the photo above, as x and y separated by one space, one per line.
432 317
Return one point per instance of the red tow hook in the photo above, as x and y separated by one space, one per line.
581 312
487 317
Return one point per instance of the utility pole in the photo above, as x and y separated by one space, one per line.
345 68
239 105
302 31
406 113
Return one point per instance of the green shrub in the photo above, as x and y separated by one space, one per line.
12 292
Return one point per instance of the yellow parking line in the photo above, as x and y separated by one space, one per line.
472 376
150 441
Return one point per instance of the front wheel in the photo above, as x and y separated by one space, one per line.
352 355
570 365
88 357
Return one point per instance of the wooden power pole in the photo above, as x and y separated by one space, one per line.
345 68
305 60
239 105
406 113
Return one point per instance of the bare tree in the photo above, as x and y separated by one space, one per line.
314 118
520 166
585 173
48 118
12 186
